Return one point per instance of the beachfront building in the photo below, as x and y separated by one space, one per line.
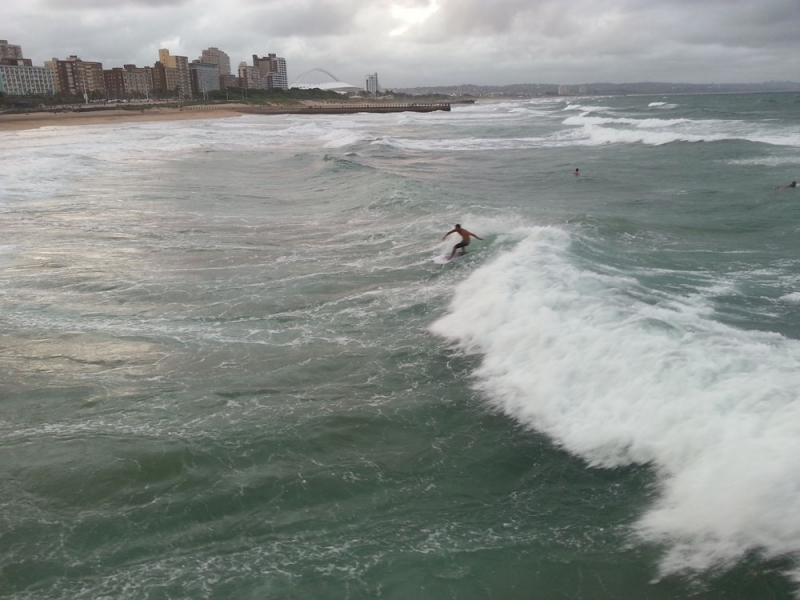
205 77
138 81
250 77
159 80
11 51
272 70
127 82
25 80
167 82
371 85
18 76
178 79
215 56
229 81
77 77
114 80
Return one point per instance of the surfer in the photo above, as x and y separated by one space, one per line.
785 187
465 235
576 172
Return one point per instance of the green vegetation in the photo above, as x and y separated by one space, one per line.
238 95
275 98
263 97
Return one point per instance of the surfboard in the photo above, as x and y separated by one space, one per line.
442 260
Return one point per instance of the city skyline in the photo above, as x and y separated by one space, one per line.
442 42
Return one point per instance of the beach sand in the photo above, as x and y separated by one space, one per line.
34 120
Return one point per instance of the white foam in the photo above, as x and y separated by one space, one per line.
460 144
639 123
597 130
766 161
579 356
587 108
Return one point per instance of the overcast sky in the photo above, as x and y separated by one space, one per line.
413 43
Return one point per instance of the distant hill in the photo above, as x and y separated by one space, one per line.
645 87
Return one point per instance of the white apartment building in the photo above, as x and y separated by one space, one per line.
25 80
372 84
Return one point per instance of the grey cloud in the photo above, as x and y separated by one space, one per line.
314 19
73 5
481 17
503 41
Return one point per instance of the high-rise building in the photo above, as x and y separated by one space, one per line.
372 84
215 56
205 77
18 76
250 77
138 81
10 50
129 81
229 81
159 74
23 80
77 77
273 71
114 80
179 81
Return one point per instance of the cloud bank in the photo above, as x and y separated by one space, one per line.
434 42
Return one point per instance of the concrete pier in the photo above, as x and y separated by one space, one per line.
343 109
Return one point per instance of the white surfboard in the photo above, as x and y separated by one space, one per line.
442 260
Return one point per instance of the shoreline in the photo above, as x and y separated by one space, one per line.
37 120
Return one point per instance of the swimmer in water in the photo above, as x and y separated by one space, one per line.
785 187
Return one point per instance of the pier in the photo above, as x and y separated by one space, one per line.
343 109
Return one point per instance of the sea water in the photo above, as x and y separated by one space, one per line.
231 370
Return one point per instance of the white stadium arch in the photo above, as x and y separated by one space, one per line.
336 85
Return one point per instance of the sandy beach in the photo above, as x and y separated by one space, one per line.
34 120
37 119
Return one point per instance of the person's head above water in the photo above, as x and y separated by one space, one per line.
793 184
457 226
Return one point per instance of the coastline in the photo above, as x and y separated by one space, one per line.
36 120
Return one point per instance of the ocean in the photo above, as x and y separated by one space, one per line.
230 369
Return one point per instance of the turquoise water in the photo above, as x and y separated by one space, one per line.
230 369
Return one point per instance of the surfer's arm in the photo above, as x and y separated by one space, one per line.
448 233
